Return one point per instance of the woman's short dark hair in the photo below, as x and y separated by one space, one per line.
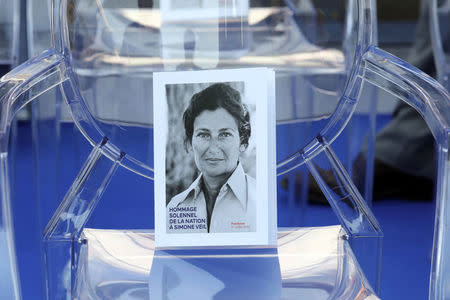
211 98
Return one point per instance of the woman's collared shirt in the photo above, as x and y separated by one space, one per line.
234 210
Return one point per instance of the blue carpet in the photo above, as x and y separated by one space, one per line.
407 226
408 237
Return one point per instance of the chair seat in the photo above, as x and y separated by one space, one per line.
315 263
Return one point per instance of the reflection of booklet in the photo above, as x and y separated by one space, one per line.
215 169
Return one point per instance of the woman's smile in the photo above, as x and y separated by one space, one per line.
214 159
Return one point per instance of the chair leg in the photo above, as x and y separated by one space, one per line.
61 239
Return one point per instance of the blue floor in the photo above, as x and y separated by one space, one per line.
408 226
408 237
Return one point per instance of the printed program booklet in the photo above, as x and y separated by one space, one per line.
215 158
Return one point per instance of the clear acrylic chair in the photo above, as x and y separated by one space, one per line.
87 52
50 116
440 267
315 95
280 15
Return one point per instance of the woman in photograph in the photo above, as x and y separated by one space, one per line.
222 198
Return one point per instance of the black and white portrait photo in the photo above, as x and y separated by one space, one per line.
207 135
222 195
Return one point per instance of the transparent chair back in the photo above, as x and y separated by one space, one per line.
312 100
96 43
